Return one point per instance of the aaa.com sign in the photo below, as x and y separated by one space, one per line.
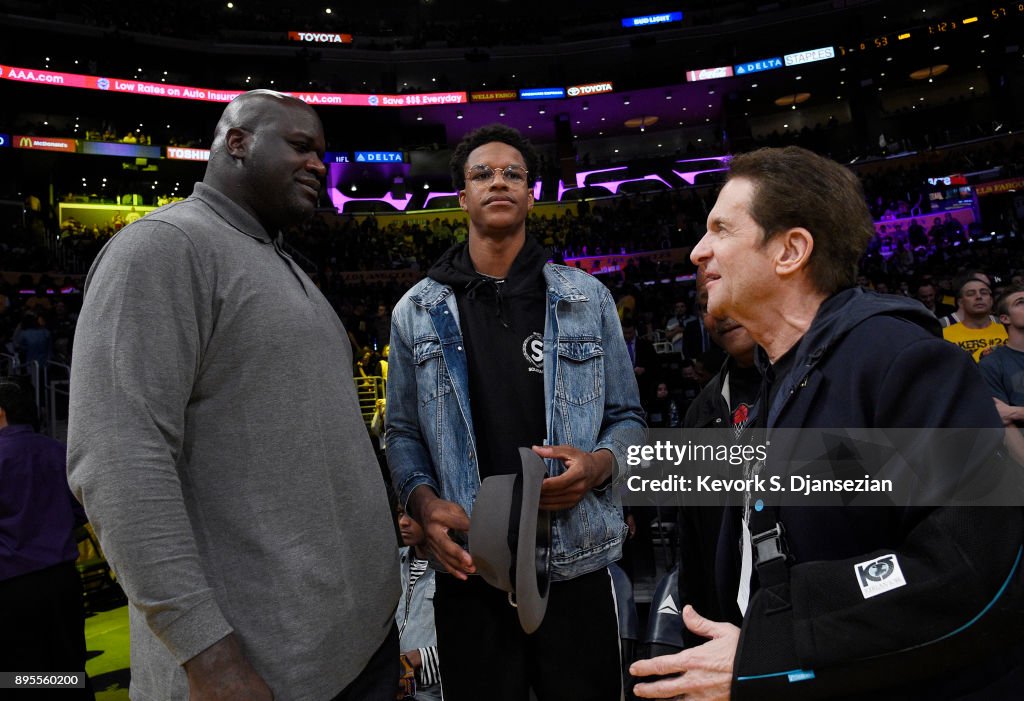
320 37
185 92
40 143
709 74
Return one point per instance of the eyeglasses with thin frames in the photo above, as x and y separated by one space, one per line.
513 175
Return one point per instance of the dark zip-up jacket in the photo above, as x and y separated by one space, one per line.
872 360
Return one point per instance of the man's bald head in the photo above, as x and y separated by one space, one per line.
250 110
267 156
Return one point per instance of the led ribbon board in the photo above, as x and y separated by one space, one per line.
184 92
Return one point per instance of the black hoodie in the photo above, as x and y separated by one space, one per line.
871 360
502 324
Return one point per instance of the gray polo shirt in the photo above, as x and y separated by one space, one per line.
216 443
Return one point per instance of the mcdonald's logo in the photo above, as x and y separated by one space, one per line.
45 143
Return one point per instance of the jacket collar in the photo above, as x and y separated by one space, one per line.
556 278
840 313
231 212
559 285
836 317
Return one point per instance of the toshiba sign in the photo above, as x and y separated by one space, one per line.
709 73
589 89
188 154
320 37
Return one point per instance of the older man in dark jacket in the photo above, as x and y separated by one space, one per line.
911 600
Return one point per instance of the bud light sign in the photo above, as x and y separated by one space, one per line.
648 20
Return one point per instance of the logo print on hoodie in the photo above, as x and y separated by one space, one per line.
533 351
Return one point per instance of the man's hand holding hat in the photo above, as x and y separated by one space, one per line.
584 471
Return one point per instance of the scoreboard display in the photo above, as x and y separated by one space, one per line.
937 28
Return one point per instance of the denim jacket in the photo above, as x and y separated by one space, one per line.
415 617
591 402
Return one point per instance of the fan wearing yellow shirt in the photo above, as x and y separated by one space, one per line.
977 334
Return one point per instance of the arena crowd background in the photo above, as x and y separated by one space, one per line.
106 111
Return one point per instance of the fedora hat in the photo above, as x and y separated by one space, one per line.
510 538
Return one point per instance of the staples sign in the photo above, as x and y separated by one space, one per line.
320 37
802 57
709 73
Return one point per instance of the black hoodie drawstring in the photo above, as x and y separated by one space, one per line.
474 285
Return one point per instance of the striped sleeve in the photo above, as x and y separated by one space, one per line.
430 672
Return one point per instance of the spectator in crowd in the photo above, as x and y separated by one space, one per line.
496 350
382 326
978 331
222 458
957 315
727 401
780 256
40 591
928 295
39 301
685 332
33 340
664 409
415 614
691 382
1003 367
643 358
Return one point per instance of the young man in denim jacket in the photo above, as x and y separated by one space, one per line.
498 349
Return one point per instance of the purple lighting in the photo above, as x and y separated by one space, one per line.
692 175
434 195
721 159
581 177
614 185
339 200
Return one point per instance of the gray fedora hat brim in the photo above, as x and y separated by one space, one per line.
493 531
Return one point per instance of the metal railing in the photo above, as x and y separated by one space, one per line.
368 391
59 392
50 391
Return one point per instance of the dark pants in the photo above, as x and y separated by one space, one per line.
379 679
484 654
44 626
